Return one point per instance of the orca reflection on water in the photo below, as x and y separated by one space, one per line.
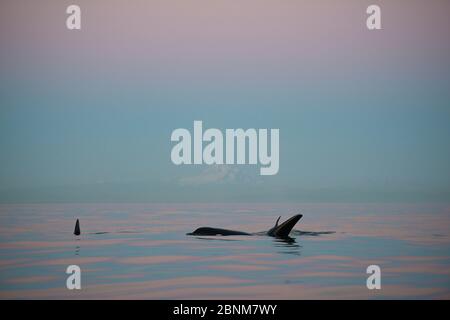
279 231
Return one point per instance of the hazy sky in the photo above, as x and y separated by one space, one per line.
87 115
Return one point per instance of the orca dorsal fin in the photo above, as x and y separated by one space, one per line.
276 223
77 230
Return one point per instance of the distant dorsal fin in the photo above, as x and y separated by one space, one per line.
77 230
276 223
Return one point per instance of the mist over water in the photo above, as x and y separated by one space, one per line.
142 251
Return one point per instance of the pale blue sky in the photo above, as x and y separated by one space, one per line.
365 117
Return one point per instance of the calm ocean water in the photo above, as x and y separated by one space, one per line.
140 251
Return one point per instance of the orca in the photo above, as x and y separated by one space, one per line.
279 231
77 230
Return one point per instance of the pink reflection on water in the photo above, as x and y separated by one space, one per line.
126 290
225 288
44 233
35 279
240 267
156 259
